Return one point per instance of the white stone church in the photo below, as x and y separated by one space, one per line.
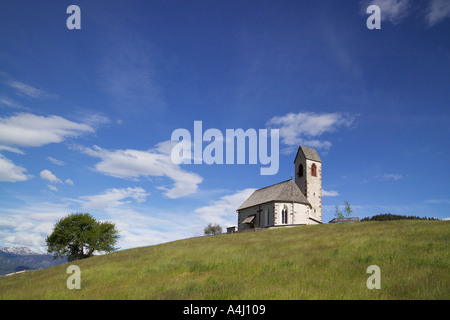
287 203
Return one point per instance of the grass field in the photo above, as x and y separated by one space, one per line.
306 262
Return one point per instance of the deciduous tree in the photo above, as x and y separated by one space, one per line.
79 235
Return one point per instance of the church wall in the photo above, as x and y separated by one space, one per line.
297 213
260 217
244 213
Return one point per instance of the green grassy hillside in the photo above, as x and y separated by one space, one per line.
308 262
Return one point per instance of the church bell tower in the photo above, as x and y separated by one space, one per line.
308 177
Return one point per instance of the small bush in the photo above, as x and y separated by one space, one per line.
211 229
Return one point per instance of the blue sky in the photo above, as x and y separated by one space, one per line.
86 116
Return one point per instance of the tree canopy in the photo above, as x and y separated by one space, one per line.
388 216
347 211
78 235
211 229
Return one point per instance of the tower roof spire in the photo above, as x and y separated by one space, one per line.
309 153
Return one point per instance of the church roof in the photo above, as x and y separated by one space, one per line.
310 153
286 191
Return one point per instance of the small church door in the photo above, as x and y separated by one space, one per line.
260 218
266 216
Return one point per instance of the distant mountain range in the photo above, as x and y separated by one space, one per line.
17 250
13 259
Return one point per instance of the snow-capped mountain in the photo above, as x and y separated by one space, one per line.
18 250
13 259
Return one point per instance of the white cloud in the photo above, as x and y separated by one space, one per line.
302 128
11 149
437 11
29 130
23 226
25 239
330 193
223 211
113 198
390 176
26 129
56 161
43 228
69 182
30 224
133 164
53 188
9 172
48 175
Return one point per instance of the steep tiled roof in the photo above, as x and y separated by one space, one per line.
286 191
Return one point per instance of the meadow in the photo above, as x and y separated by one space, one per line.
326 261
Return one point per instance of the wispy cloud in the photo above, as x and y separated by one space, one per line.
29 91
437 201
437 11
7 102
127 71
11 149
329 193
390 176
393 11
56 161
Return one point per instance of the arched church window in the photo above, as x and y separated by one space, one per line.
300 171
284 215
314 170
